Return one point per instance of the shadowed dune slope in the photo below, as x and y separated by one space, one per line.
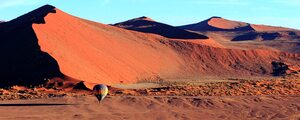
147 25
98 53
288 41
22 62
262 28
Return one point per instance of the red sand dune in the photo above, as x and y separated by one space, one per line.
98 53
109 54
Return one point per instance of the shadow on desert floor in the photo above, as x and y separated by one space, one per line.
33 104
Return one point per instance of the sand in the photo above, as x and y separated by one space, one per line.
154 108
92 52
266 99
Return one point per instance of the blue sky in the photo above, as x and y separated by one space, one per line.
174 12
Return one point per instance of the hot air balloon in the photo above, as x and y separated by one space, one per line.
100 91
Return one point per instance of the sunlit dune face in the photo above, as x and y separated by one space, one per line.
226 24
100 53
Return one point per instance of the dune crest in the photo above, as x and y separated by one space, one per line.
219 22
144 18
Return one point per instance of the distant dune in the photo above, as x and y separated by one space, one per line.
218 24
217 28
261 28
48 43
287 35
221 24
147 25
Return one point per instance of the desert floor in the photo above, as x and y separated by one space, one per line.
154 107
